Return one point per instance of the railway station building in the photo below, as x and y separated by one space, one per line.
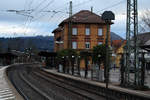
87 31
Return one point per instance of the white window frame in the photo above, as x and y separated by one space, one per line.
74 45
99 43
87 45
74 31
100 31
87 31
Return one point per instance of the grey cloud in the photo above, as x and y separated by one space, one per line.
48 21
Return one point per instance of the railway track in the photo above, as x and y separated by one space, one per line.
77 88
72 91
34 84
23 86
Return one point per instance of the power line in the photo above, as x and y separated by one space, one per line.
62 6
25 26
111 6
47 5
31 20
42 10
54 12
39 4
84 2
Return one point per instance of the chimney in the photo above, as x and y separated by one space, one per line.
91 9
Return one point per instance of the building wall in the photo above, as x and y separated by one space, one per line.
81 37
65 36
119 51
57 46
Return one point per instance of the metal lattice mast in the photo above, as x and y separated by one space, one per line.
132 44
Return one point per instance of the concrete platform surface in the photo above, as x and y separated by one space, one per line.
138 92
7 91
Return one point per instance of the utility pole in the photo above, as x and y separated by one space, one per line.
70 26
132 42
92 9
107 16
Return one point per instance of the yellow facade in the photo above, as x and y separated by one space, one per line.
81 37
119 51
81 21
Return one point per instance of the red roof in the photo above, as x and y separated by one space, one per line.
85 16
117 43
59 29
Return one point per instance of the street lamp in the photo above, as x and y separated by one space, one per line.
72 56
99 55
72 61
63 66
78 56
107 16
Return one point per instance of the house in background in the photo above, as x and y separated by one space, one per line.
88 30
118 48
144 43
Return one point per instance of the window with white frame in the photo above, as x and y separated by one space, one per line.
89 62
74 31
87 31
74 45
99 43
100 32
87 45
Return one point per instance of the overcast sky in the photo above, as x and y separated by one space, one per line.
40 17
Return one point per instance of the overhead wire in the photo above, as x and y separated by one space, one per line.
84 2
54 12
113 5
46 6
110 6
39 5
25 4
28 19
61 7
41 11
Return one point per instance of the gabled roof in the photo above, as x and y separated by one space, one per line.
116 44
59 29
143 38
84 16
147 43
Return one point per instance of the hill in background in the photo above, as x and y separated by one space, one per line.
37 43
114 36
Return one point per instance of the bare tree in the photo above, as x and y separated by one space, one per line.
145 21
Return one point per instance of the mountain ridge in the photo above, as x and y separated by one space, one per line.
39 43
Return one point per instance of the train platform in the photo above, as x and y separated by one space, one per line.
112 86
7 91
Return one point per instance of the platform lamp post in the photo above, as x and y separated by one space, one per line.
107 16
99 57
